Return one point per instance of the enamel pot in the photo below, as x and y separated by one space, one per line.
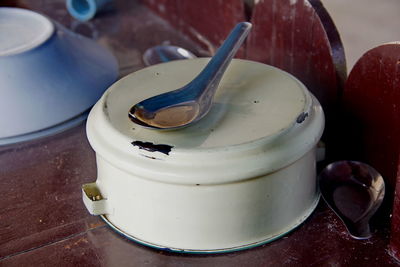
242 176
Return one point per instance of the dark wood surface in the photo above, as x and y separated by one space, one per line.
290 35
395 229
208 22
43 221
39 184
371 104
371 116
300 38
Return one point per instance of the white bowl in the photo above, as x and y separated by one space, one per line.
50 76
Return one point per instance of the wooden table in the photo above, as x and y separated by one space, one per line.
43 221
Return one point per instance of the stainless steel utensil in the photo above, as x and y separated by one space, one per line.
354 191
164 53
186 105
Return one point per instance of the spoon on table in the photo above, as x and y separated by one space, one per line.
192 102
165 53
354 191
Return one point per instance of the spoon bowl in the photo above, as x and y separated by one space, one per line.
186 105
165 53
354 191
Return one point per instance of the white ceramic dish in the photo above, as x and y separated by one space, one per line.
50 76
242 176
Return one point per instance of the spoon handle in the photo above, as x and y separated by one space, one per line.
205 84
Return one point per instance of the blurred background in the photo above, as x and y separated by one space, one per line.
364 24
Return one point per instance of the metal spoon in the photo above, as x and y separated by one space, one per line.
190 103
164 53
354 191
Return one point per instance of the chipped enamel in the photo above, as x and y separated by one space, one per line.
242 176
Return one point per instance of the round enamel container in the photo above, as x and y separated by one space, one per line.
240 177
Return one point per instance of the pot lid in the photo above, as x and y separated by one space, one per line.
256 107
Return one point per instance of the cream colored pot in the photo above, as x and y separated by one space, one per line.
242 176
